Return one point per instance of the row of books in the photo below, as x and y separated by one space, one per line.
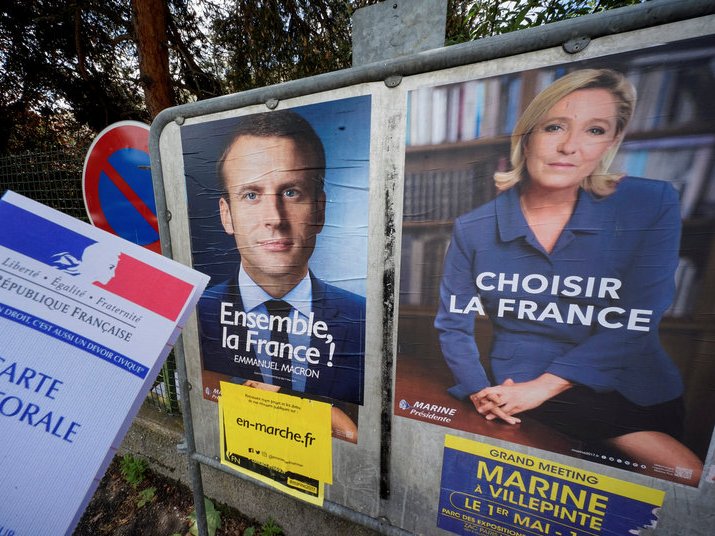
657 105
442 195
474 109
686 162
667 98
421 267
673 88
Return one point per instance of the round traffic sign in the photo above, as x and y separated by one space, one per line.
117 187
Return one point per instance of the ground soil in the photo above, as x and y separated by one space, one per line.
114 510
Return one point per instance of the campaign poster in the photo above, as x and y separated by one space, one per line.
281 440
86 321
277 206
488 491
557 261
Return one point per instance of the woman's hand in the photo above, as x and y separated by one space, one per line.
488 401
506 400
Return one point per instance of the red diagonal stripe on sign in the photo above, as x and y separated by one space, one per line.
131 195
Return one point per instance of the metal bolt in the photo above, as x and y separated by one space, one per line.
272 104
179 120
577 44
393 80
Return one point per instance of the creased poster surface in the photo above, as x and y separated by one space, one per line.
86 320
277 214
281 440
489 491
557 259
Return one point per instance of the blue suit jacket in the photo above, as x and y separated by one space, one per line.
631 236
342 311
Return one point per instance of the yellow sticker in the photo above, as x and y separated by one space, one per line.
282 440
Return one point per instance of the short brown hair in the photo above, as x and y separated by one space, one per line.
279 124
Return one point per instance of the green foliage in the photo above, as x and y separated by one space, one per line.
73 67
133 469
470 19
213 519
269 528
146 496
273 41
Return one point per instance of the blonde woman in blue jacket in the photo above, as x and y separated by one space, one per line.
574 267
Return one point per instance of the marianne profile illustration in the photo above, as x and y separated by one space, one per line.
97 264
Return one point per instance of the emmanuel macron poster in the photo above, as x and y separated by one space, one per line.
278 219
557 259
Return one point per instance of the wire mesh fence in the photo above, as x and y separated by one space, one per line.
54 178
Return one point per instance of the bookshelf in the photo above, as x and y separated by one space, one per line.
458 136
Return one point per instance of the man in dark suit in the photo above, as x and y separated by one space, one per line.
274 325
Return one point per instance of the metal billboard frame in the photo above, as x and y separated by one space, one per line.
572 35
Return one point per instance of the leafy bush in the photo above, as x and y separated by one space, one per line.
146 496
269 528
133 469
213 519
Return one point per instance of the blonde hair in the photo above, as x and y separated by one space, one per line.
601 181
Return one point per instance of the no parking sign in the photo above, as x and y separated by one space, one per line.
117 187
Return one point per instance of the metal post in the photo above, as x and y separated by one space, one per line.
194 467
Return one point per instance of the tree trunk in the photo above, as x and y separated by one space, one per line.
150 23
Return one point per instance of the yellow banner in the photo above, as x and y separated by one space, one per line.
553 469
282 440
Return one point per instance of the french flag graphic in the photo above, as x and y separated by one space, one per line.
111 270
152 289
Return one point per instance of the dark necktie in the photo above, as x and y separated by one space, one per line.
279 308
